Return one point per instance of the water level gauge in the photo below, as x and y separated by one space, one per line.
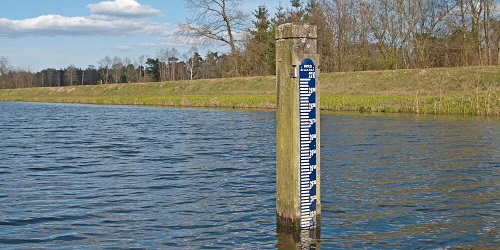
308 143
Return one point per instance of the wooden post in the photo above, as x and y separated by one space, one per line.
298 205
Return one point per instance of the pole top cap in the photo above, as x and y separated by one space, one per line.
296 30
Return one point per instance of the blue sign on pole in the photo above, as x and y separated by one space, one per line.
308 143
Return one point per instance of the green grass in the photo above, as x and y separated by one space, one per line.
468 91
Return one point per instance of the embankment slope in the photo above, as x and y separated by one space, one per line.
467 90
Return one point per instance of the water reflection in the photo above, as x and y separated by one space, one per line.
305 239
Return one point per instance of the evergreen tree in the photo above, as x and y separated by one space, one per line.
259 54
279 17
153 69
297 12
262 23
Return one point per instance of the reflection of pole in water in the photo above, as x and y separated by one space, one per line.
298 203
308 240
303 239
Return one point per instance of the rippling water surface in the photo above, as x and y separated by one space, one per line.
81 176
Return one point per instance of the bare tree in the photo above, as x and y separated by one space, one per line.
463 29
129 68
476 9
140 67
166 67
105 65
193 60
117 69
51 76
70 74
216 21
387 26
172 62
487 29
162 55
316 14
342 16
4 65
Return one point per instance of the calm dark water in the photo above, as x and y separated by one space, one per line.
81 176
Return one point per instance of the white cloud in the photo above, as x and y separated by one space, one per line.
123 8
57 25
108 18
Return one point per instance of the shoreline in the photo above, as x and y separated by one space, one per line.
359 103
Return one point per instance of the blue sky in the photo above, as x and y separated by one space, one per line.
39 34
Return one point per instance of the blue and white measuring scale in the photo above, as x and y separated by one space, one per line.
308 143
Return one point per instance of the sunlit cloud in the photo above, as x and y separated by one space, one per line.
123 8
108 18
57 25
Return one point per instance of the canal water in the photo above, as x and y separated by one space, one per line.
114 177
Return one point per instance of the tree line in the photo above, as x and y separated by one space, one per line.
353 35
168 65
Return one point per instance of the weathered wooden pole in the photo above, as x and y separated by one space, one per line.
298 204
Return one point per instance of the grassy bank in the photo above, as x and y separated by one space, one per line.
471 91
